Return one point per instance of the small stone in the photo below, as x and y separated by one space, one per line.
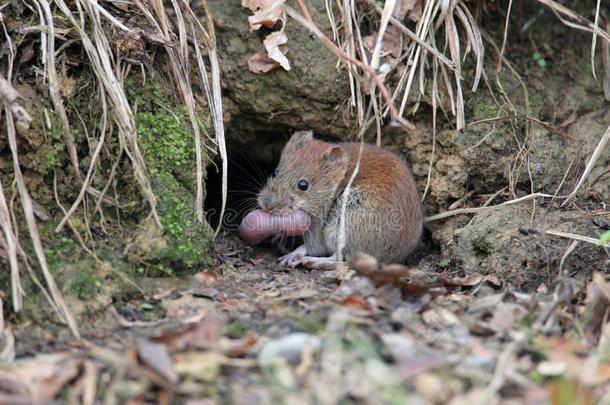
551 368
431 387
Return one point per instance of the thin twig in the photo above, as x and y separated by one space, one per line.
573 236
461 211
594 157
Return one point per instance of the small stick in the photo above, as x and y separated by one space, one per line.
573 236
512 117
308 23
413 36
567 253
598 150
459 211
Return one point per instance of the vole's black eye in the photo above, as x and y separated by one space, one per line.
274 172
303 185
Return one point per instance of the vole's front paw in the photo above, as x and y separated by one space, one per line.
293 259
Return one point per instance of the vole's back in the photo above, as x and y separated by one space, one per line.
383 215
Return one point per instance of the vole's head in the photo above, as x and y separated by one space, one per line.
307 177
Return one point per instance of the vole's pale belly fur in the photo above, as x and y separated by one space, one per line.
383 213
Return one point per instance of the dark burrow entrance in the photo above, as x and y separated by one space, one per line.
249 165
251 161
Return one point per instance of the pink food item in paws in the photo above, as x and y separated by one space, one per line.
259 224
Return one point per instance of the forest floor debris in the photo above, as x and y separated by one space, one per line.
257 333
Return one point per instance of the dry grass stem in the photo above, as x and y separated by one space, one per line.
47 42
99 53
576 237
307 22
28 211
342 234
9 243
573 19
462 211
592 160
605 45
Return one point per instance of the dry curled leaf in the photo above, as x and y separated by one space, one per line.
467 281
39 379
272 45
260 63
408 8
394 274
9 97
596 309
266 12
157 358
203 335
356 302
391 43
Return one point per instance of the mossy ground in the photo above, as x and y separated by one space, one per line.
167 143
168 146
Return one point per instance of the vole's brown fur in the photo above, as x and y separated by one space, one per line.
383 213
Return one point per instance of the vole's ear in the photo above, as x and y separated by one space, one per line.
335 156
299 139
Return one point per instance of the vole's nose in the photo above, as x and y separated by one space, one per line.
268 202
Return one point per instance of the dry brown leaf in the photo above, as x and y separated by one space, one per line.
206 277
240 347
410 357
388 297
440 318
597 307
203 335
408 8
505 316
467 281
356 302
394 274
266 12
260 63
391 44
157 358
559 349
272 45
47 374
253 5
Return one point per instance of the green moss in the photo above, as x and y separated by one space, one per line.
49 144
51 152
314 323
168 147
235 329
75 272
166 143
484 110
481 243
146 96
188 238
535 100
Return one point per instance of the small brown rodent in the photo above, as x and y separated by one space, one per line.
383 214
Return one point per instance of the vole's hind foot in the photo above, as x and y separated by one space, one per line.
314 263
297 258
293 259
319 263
